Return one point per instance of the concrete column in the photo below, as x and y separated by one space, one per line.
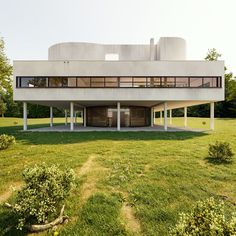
24 116
51 116
71 116
170 121
118 116
212 115
161 121
165 116
84 117
152 117
185 117
66 120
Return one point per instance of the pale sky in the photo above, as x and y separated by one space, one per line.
29 27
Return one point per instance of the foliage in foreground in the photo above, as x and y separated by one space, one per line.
6 141
41 199
220 152
207 218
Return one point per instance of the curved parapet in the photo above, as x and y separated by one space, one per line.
93 51
171 48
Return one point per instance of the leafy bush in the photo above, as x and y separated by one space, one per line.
221 152
207 218
6 141
41 199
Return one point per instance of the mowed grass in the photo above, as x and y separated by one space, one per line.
128 183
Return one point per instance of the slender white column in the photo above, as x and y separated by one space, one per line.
212 115
66 120
84 116
24 116
165 116
170 117
152 117
51 116
161 121
118 116
71 116
185 116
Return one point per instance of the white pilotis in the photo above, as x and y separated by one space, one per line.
185 116
51 116
161 118
170 121
118 116
84 116
152 117
25 116
212 114
66 121
165 116
71 116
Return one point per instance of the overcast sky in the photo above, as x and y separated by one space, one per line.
29 27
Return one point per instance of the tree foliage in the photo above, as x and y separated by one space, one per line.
207 218
42 197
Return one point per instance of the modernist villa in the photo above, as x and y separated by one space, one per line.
119 85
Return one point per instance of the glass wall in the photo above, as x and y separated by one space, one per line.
119 82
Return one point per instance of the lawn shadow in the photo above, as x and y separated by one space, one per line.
8 223
215 161
78 137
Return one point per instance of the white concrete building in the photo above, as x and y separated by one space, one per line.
119 85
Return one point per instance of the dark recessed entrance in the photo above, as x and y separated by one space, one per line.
129 116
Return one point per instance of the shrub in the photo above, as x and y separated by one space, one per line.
207 218
6 141
221 152
41 199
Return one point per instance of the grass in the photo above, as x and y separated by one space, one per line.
157 175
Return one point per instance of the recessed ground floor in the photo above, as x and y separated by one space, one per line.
120 116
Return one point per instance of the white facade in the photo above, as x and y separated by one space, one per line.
165 60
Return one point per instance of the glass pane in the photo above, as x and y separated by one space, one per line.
182 82
72 82
125 82
40 82
196 82
27 82
83 82
97 82
209 82
168 82
111 82
55 82
139 81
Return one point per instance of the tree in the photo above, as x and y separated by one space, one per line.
3 108
212 55
5 71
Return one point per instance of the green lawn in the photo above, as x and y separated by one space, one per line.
129 183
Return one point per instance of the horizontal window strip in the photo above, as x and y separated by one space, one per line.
118 82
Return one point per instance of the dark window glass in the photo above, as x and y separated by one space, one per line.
40 82
27 82
55 82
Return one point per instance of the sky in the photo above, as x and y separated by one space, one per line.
30 27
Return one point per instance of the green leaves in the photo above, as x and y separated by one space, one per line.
46 187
